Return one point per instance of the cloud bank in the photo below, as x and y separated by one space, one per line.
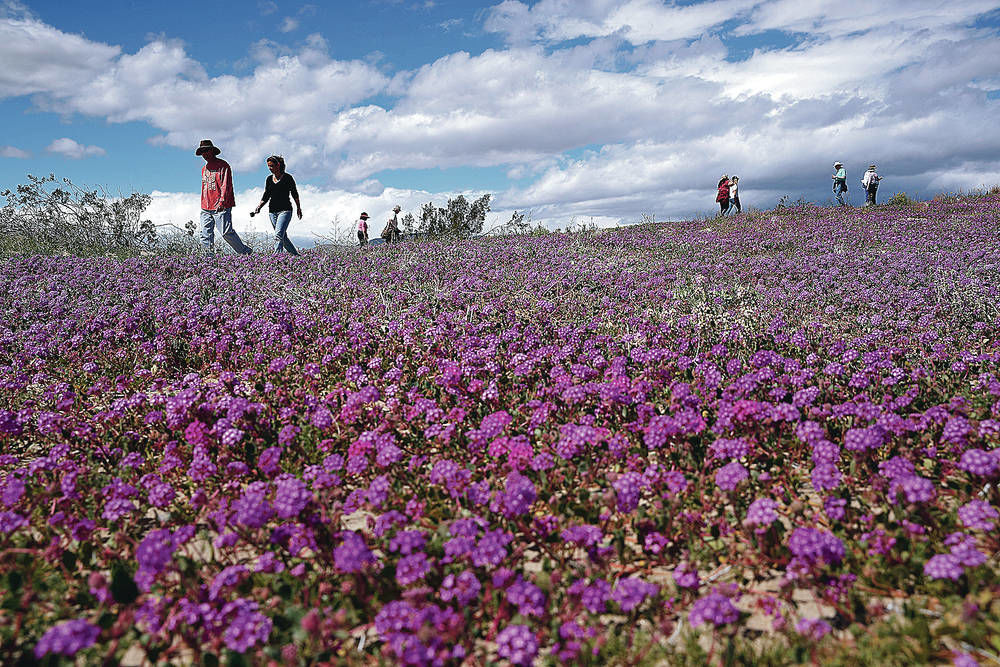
604 108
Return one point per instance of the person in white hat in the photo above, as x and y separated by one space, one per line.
840 182
217 200
870 183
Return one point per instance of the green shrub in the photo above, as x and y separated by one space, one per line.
900 199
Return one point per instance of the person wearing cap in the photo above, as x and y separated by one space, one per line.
723 194
391 232
363 230
840 182
870 183
279 190
217 200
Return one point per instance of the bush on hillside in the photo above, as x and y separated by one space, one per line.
900 199
49 217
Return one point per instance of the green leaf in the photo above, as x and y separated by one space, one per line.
123 588
234 659
14 581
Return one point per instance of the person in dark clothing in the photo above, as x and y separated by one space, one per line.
870 183
391 233
279 189
723 196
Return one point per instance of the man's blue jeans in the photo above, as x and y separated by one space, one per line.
839 189
224 219
280 222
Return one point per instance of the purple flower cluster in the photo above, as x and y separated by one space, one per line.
762 512
67 638
729 476
714 608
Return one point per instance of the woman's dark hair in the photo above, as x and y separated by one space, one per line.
280 161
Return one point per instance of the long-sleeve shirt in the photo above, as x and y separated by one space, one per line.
841 176
871 178
278 193
217 185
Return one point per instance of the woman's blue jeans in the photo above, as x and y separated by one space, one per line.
280 222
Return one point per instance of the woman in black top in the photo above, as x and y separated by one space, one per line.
277 188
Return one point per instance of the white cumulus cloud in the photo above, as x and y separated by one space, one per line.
14 152
75 151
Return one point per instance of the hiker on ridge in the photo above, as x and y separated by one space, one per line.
723 196
363 230
840 182
391 233
870 183
734 195
217 200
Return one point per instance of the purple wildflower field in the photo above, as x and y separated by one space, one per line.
774 437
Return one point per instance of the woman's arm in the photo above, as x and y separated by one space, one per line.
294 191
267 195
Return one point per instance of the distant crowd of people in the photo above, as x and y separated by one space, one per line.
218 200
728 193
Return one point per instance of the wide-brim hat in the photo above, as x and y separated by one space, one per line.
206 145
364 215
871 166
838 164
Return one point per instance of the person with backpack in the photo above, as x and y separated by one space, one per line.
870 183
279 190
217 200
840 182
391 232
734 195
723 196
363 230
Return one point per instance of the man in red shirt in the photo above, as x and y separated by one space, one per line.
217 200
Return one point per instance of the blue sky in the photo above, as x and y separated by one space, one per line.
573 110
